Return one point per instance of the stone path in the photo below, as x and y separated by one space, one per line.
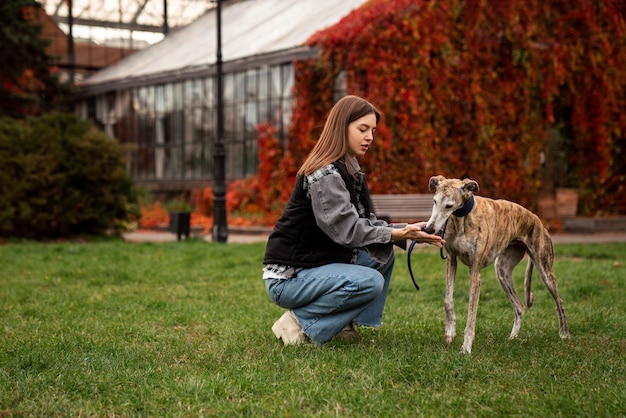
239 237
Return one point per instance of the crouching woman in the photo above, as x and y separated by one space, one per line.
329 260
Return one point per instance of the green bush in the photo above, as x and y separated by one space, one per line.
61 177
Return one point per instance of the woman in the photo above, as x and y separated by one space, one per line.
328 259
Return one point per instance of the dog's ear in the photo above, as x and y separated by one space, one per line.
434 182
470 185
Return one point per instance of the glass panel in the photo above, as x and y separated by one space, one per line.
288 80
159 148
176 91
210 121
234 160
159 99
144 100
166 171
276 81
228 88
240 87
146 135
173 124
168 94
100 109
193 93
193 161
286 108
251 85
209 92
340 88
142 152
177 161
274 112
238 126
207 159
229 121
251 119
193 124
264 83
188 86
264 112
252 159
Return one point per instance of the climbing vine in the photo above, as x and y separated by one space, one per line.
470 88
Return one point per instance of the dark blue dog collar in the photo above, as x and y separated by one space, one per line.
466 209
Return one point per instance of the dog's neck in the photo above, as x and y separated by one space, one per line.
465 209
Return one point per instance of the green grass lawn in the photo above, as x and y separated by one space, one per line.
109 328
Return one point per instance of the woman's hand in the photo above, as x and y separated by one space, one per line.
414 232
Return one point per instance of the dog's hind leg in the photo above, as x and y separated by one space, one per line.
504 264
549 279
528 277
451 264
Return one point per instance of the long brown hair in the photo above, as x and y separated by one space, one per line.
333 141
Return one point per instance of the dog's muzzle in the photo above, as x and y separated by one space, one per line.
429 230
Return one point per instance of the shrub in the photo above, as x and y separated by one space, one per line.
61 177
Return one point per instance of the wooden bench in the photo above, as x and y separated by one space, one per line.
403 207
590 225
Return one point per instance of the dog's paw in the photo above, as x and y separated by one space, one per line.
466 350
450 338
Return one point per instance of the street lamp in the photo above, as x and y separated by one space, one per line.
220 227
71 58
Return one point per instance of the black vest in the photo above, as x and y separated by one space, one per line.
297 241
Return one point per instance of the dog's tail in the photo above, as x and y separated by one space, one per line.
530 298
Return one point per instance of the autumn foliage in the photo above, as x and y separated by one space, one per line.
487 90
521 95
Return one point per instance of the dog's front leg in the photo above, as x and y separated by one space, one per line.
451 264
470 327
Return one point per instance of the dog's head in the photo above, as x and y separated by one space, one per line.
450 195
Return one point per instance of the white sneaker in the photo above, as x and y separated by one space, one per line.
288 328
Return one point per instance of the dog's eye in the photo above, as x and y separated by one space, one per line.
448 206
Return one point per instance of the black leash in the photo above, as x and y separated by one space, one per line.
461 212
408 257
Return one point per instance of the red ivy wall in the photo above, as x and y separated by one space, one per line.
473 88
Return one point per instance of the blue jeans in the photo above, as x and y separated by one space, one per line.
327 298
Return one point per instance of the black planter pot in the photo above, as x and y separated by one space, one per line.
180 223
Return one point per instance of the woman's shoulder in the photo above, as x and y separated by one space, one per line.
322 172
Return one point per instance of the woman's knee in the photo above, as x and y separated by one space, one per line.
373 283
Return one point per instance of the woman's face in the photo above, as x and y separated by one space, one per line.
361 134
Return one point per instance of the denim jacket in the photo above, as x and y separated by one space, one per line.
339 218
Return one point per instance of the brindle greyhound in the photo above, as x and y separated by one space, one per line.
481 231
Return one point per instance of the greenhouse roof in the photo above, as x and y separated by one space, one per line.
250 28
106 22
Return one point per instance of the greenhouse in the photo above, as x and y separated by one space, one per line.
161 101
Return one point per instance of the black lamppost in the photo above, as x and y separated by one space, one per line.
166 27
220 227
71 59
